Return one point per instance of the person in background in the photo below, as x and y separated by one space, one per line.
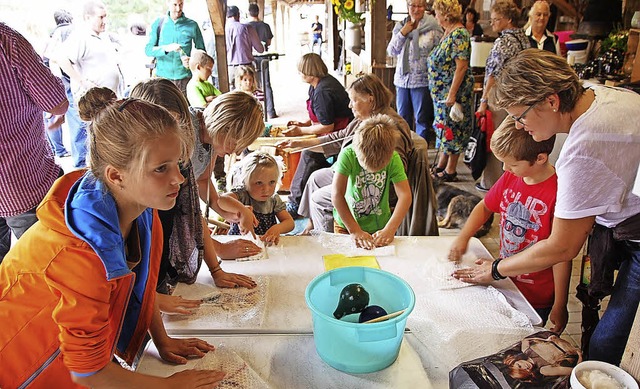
511 40
368 97
536 28
53 123
595 184
93 258
470 21
265 34
258 182
200 92
27 165
412 41
317 30
246 82
240 39
364 173
328 109
525 197
451 87
171 39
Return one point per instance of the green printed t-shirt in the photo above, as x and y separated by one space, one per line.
197 91
367 193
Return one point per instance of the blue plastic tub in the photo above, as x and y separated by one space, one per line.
350 346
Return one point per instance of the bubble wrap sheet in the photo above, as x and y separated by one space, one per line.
223 307
343 244
459 321
239 375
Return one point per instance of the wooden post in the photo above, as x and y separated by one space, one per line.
218 16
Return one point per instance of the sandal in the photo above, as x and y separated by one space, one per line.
446 177
435 170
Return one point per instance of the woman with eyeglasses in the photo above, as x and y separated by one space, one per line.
597 170
451 84
412 40
536 28
511 40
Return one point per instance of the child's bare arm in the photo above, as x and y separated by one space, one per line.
559 314
403 191
362 238
286 224
229 203
206 185
478 217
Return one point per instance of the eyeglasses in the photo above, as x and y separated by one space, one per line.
496 20
522 115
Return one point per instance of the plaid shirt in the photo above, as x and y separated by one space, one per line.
27 167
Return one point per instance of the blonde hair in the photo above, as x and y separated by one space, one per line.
508 9
546 74
255 160
311 64
374 142
121 130
234 117
199 58
242 71
371 85
164 93
450 9
508 141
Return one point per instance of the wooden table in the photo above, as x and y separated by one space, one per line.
279 343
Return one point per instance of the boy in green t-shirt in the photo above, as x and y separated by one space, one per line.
365 171
201 92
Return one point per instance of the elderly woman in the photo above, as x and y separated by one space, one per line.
511 40
328 107
368 97
536 28
596 171
451 83
411 42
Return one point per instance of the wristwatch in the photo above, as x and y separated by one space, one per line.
483 100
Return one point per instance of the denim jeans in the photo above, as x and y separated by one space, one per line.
415 105
268 91
612 332
77 130
18 224
55 138
317 40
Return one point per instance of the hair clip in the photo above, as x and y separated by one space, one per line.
125 103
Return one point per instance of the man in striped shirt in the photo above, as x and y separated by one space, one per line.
27 166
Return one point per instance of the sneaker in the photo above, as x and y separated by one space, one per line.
481 188
292 208
273 115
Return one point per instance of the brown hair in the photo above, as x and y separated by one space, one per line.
371 85
374 142
546 74
508 9
121 130
508 141
199 57
311 64
242 71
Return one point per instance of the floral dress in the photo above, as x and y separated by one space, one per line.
452 137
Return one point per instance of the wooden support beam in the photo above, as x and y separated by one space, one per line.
218 15
566 8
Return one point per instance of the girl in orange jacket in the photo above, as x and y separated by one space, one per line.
79 286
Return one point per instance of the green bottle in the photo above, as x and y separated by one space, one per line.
353 299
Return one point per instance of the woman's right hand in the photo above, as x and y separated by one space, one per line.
293 143
298 123
292 131
195 379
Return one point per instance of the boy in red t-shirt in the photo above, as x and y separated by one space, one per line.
525 198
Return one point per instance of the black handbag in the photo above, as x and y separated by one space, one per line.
475 154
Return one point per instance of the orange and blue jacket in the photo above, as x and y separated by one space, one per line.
68 300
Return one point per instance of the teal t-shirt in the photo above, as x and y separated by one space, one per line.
367 193
197 91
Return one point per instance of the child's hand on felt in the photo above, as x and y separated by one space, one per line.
458 248
272 236
383 237
363 239
248 221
